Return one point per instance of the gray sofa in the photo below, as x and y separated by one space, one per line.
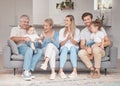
15 60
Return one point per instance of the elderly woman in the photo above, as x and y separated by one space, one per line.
69 38
50 46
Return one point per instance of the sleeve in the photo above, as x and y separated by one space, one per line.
61 38
77 35
13 32
104 32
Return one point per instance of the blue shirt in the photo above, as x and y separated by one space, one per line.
54 40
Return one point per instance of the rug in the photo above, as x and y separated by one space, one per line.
42 80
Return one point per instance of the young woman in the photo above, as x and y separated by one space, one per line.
50 46
69 37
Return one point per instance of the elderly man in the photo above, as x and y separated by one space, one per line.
30 59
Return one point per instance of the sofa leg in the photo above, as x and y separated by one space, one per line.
105 71
14 71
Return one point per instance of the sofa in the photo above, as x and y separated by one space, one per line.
12 59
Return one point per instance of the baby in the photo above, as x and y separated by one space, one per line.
97 37
35 39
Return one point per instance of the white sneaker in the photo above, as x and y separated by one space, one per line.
62 75
43 66
33 77
52 76
72 75
26 76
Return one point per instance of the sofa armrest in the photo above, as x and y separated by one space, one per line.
113 56
6 56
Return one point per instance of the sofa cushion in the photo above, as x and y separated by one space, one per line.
13 46
106 58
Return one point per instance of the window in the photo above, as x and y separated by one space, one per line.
102 4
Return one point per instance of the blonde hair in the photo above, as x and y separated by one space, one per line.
72 27
49 21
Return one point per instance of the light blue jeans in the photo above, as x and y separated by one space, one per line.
73 56
30 60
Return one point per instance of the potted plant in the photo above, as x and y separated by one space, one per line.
68 4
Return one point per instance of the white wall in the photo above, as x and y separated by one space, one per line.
80 6
58 15
40 11
115 31
10 10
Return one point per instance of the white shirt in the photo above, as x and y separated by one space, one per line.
33 37
86 34
97 37
68 43
18 32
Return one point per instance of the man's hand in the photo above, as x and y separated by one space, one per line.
89 50
27 39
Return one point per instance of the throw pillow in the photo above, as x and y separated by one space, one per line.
13 46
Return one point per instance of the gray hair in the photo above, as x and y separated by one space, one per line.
24 16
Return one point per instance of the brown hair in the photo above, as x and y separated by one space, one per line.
87 14
97 23
29 27
72 27
49 21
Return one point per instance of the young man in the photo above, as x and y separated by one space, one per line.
98 53
30 60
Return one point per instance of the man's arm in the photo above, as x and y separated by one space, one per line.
82 44
106 41
18 39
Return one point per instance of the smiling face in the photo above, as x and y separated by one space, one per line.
47 27
87 20
48 24
67 22
24 22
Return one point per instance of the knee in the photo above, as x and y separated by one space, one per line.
64 49
50 46
96 50
82 53
73 49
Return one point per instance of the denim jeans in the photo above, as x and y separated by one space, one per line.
90 43
30 60
36 44
73 56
